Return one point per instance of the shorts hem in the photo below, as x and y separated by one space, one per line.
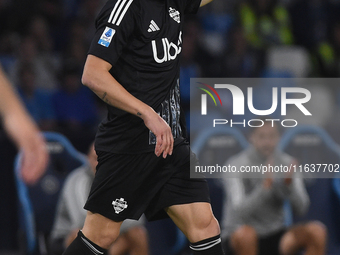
188 202
158 215
112 216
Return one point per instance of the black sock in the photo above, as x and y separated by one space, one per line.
210 246
83 246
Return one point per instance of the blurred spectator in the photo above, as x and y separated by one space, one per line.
216 19
74 103
76 51
189 64
37 101
88 11
254 211
39 31
90 8
5 8
241 59
327 55
265 23
311 21
71 215
8 45
70 8
44 64
75 108
76 47
51 10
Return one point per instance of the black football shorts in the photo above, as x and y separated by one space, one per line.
128 185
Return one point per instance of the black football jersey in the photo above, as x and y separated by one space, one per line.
142 40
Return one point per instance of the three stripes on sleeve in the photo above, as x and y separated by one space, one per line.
119 11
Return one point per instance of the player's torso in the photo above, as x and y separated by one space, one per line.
148 68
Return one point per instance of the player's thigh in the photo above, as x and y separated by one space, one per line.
101 230
195 220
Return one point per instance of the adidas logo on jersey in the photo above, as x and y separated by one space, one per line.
153 27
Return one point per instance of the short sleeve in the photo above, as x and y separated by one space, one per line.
114 26
191 6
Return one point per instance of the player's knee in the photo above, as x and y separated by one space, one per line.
244 236
204 228
100 230
208 224
106 238
317 233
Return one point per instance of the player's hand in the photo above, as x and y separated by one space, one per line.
34 159
31 143
162 131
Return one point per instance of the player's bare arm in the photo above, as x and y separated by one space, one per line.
96 76
24 132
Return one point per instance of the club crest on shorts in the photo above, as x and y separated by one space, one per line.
174 14
119 205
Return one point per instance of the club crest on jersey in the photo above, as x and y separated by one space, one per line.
119 205
107 36
174 14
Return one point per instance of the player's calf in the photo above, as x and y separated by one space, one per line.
204 228
83 246
101 230
96 236
207 226
209 246
198 223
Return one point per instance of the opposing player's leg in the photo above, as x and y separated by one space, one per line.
199 225
310 237
96 236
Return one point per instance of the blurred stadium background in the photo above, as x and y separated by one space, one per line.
43 46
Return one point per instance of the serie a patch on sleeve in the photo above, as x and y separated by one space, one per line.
107 36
